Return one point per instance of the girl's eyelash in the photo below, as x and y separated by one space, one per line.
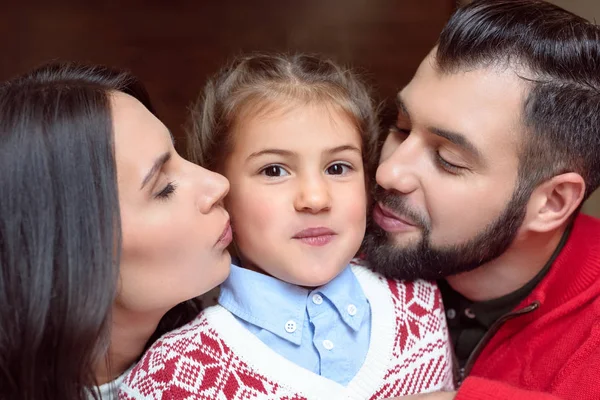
270 167
167 191
342 164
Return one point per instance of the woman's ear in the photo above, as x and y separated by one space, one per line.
554 201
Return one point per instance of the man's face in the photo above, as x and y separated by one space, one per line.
448 173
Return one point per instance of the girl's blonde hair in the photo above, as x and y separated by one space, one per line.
260 83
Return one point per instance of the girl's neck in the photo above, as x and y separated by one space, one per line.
130 333
252 267
242 262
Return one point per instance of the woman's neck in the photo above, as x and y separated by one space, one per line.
129 334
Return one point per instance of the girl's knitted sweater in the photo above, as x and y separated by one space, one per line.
214 357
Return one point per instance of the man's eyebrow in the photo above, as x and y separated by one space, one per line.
158 163
459 140
455 138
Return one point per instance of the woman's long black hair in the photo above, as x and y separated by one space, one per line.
60 230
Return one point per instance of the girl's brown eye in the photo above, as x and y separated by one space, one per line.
274 171
338 169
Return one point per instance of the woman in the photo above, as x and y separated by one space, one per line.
105 231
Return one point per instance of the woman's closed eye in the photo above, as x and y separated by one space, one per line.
167 191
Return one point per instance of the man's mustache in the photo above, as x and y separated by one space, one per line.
397 203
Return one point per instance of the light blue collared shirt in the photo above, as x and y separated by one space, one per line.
325 330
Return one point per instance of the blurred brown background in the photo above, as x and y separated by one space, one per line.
174 45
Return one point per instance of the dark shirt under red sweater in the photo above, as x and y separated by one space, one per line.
553 351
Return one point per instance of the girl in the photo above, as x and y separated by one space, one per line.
296 137
105 232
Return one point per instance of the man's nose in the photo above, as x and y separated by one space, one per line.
399 170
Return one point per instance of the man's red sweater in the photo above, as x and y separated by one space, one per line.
552 352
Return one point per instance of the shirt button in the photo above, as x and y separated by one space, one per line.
328 344
451 313
352 310
290 326
470 314
317 299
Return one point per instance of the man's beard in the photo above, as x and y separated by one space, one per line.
424 261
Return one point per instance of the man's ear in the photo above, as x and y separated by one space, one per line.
554 201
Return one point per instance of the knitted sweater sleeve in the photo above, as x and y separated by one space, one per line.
474 388
577 380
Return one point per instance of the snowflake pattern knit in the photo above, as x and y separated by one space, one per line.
214 357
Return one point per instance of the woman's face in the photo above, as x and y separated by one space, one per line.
175 230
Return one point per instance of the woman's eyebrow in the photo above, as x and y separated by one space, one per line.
158 163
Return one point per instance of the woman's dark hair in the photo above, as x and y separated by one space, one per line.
558 54
60 230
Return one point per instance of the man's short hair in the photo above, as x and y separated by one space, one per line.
558 53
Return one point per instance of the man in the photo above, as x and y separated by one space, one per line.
481 180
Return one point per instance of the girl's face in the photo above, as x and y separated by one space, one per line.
175 231
298 196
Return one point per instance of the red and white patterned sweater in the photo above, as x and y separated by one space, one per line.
214 357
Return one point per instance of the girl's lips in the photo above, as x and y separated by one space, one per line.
390 222
316 240
312 232
319 236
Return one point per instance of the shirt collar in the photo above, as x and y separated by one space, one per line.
264 301
348 298
280 302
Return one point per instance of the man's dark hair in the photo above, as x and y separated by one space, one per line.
558 53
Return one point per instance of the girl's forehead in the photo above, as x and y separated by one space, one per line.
304 127
285 109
